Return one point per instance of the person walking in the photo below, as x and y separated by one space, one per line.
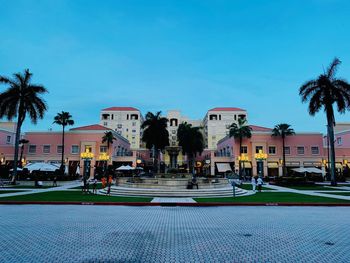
54 182
110 181
94 186
253 182
260 183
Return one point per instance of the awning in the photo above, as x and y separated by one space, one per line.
223 167
308 170
272 165
337 165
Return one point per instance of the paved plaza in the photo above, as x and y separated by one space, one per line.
43 233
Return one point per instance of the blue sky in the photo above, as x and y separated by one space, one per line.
184 54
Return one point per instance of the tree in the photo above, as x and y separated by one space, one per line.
283 130
19 100
108 138
22 142
192 142
239 132
64 119
324 92
155 135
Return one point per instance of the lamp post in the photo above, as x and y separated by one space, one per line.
87 156
260 157
104 157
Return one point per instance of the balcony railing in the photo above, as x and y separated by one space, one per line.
223 154
124 154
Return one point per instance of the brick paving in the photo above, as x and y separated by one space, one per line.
43 233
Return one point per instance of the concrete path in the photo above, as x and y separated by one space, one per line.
172 200
39 190
309 192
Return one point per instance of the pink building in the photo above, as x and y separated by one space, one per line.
7 142
47 147
302 150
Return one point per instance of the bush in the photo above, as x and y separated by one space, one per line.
291 181
173 171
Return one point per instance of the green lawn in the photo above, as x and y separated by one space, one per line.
249 187
312 188
73 196
273 197
339 193
9 191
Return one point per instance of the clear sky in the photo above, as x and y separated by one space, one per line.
184 54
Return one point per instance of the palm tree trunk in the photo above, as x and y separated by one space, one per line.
62 156
239 160
18 135
283 157
330 124
21 156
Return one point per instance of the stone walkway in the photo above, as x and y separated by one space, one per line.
310 192
172 200
109 234
27 191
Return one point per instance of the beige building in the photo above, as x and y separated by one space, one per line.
217 121
126 121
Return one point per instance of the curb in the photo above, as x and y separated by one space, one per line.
168 204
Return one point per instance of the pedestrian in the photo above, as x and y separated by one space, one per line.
88 186
82 185
103 181
260 183
194 181
253 183
54 182
94 186
110 181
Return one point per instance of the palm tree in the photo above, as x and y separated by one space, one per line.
192 142
22 142
240 131
323 92
108 138
155 134
64 119
283 130
19 100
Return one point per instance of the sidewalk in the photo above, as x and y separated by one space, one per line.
26 191
310 192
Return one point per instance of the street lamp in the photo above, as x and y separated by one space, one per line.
260 157
87 156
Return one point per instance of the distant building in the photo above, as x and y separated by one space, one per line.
126 121
7 142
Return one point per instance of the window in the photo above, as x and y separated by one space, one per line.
46 149
244 149
105 123
59 148
272 150
133 123
287 150
119 126
88 148
133 130
173 131
8 139
32 149
314 150
258 148
103 149
339 141
213 117
173 138
75 149
300 149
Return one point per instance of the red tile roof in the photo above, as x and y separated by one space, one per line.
226 109
259 128
121 109
93 127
